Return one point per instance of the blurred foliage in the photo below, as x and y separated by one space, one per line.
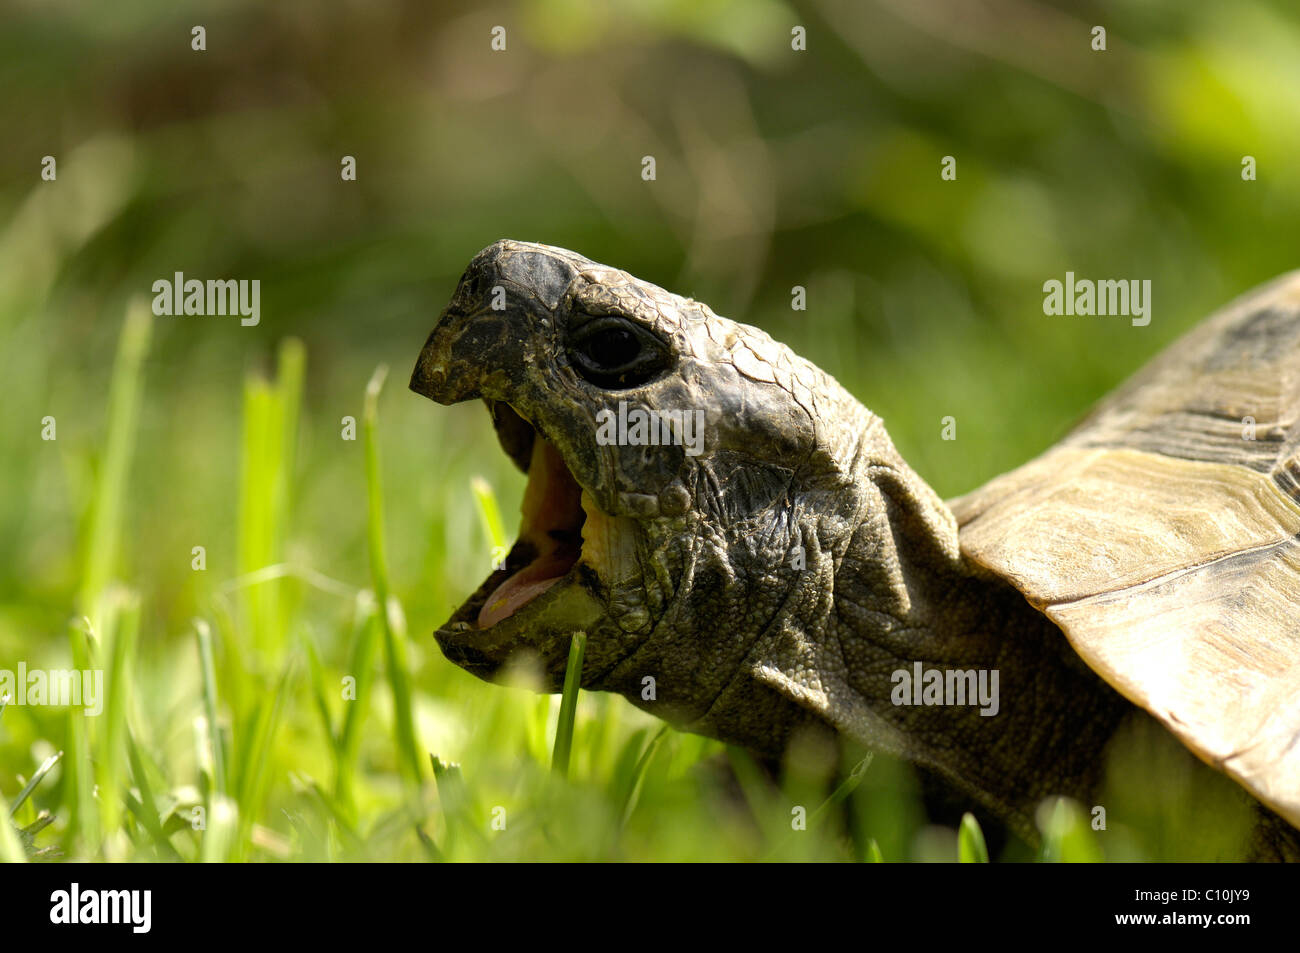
775 168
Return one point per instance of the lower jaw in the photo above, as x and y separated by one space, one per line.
541 628
523 587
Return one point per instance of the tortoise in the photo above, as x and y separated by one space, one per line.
782 572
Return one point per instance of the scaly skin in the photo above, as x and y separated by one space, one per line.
705 591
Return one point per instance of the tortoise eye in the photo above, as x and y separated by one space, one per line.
612 347
616 354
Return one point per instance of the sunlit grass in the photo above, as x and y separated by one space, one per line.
971 848
388 608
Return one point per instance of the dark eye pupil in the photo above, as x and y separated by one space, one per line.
613 353
612 348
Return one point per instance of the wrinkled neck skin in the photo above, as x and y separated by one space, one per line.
903 595
752 649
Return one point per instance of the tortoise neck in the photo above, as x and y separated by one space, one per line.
950 667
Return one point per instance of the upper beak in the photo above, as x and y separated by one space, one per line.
478 350
478 354
429 379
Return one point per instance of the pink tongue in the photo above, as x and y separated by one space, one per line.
525 585
551 511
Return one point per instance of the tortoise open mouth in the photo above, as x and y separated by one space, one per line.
564 537
550 531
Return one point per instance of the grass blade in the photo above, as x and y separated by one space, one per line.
270 437
145 808
767 809
252 787
40 774
101 551
352 841
11 849
489 514
110 761
291 366
638 776
845 788
316 679
110 487
394 648
208 672
971 848
568 706
219 833
83 817
1067 837
361 667
453 797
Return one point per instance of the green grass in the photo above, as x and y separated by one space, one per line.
388 609
568 706
971 848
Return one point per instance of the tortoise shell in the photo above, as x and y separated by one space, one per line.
1162 535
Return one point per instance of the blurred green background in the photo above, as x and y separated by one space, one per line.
775 168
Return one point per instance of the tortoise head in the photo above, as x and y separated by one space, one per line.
692 485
